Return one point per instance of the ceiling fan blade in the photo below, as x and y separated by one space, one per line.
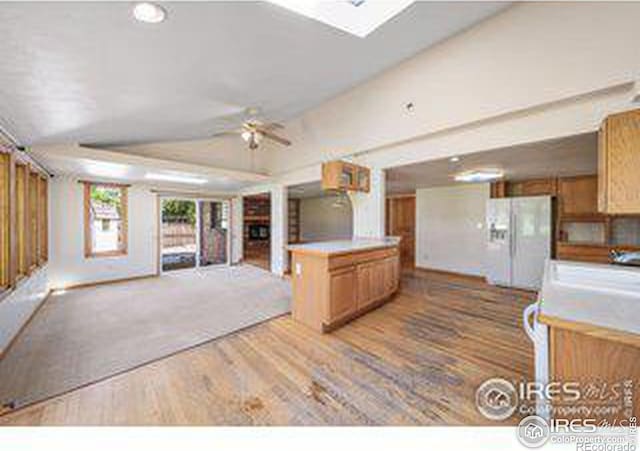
273 126
274 137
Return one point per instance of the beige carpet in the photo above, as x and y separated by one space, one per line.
87 334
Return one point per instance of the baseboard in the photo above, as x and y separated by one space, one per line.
105 282
6 349
451 273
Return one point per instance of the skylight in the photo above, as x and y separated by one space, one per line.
358 17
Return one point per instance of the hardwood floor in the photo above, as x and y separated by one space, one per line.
415 361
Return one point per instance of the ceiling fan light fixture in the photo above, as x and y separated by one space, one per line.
149 13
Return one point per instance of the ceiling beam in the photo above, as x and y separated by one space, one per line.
77 152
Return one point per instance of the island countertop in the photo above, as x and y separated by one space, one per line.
591 294
337 247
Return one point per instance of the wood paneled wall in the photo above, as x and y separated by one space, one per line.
5 174
23 216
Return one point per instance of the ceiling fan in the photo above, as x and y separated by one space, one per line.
253 131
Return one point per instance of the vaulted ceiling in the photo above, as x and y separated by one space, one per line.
87 72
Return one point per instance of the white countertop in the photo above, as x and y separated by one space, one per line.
345 246
597 294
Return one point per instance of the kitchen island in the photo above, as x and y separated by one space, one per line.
336 281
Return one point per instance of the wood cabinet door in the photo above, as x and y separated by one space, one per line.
377 280
342 293
578 357
603 189
365 284
402 223
622 162
578 195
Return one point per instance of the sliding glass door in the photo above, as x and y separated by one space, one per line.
194 233
179 237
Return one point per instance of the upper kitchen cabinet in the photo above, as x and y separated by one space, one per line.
578 196
343 176
619 164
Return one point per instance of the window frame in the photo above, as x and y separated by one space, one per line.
22 220
5 221
124 202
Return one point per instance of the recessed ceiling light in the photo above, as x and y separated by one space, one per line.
485 175
454 159
149 13
358 17
175 178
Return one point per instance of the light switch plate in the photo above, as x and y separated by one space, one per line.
298 269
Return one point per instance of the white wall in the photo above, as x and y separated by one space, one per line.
529 56
368 208
17 307
321 221
279 229
237 229
450 233
67 264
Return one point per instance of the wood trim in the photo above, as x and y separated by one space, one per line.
158 235
109 184
86 206
117 253
104 282
34 218
321 253
450 273
400 196
6 349
592 330
5 220
13 223
21 221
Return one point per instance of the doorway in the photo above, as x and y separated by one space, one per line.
194 233
257 230
401 221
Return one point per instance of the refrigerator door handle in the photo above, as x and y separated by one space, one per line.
531 311
514 227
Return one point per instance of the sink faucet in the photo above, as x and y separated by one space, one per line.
625 258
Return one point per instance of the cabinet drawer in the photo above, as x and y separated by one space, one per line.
361 257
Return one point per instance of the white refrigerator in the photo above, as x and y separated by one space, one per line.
519 240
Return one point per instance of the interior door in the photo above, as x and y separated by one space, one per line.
402 222
531 239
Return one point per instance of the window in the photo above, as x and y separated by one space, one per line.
34 251
43 220
22 224
105 216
